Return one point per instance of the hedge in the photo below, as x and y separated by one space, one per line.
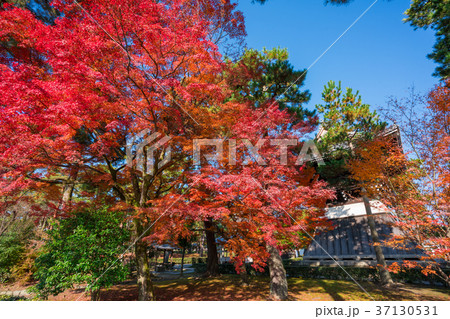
336 273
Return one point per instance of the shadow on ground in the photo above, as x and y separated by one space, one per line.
229 287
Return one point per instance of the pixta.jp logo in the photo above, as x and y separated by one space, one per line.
144 151
147 152
308 153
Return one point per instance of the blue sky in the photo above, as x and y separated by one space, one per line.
380 55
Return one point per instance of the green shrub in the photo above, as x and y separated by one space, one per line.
13 246
407 275
11 298
199 260
336 273
83 249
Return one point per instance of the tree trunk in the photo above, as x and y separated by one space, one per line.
278 281
144 281
212 267
182 261
443 275
68 188
67 193
381 262
244 275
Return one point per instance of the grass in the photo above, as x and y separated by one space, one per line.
177 258
229 287
187 260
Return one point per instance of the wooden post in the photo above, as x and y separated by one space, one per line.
182 260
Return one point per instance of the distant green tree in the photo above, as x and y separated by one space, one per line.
79 251
267 76
434 14
346 123
13 245
346 120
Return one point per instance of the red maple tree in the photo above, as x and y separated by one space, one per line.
72 93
